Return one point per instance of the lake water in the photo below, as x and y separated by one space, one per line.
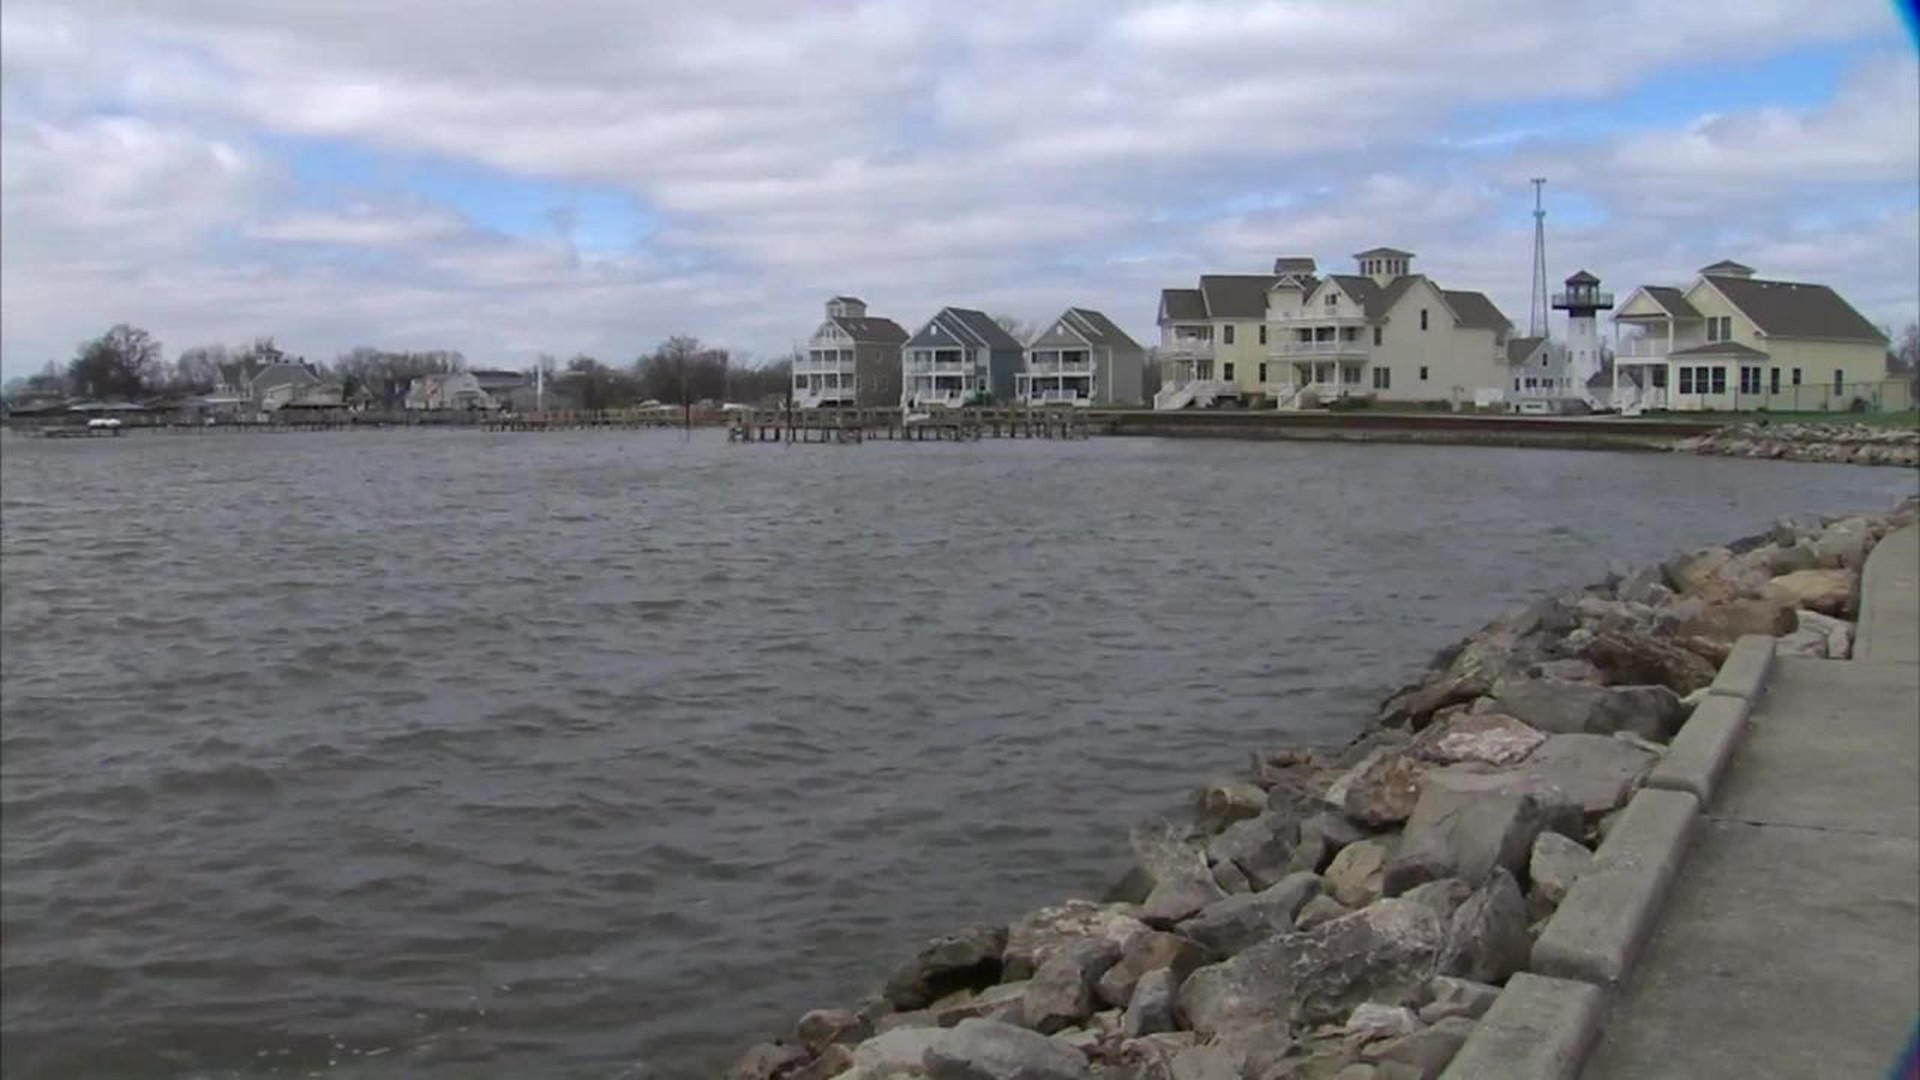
601 755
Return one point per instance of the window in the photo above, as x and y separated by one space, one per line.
1532 382
1382 378
1719 378
1423 373
1227 368
1376 337
1749 379
1839 381
1263 373
1720 328
1423 318
1660 378
1796 376
1263 340
1686 380
1333 299
1516 385
1226 335
1774 383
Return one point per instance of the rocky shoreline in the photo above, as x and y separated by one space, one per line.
1349 913
1856 444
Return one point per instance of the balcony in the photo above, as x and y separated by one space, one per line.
1319 350
1187 349
1065 367
1591 299
1315 318
1648 348
940 367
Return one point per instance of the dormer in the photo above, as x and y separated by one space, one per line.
1727 268
846 307
1383 264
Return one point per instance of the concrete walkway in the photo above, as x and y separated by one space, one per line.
1790 948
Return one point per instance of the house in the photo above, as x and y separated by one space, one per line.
1385 333
502 387
959 356
1731 342
852 359
1082 359
444 391
279 384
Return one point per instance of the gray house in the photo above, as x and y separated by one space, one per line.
959 356
852 359
1083 359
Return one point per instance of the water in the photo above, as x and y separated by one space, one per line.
597 755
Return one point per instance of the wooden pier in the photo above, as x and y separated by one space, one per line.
892 425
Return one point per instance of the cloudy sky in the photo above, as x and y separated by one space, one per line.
506 179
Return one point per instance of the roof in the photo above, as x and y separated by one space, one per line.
871 329
1375 300
1726 266
1475 311
1722 348
1520 348
1792 309
1098 329
1581 277
1294 264
847 300
1183 304
1673 300
970 327
1236 296
280 374
1383 253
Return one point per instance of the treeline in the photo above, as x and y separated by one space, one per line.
128 364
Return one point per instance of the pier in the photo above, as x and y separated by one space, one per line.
842 426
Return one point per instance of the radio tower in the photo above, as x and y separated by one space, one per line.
1537 310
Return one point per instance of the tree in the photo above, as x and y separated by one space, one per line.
197 370
1907 354
682 371
49 380
383 376
1022 331
122 364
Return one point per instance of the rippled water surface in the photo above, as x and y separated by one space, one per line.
599 755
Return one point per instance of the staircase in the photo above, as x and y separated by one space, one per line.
1175 397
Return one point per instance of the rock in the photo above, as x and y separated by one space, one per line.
1380 790
1375 1021
1712 650
1262 847
1687 572
1151 951
1354 876
1444 896
831 1062
966 960
1034 938
1829 592
1006 1003
912 1018
1224 802
1466 834
1231 879
1384 952
823 1027
1427 1052
1556 863
1318 910
984 1050
1645 586
1490 738
1804 643
1449 997
1556 706
1151 1009
1571 669
1413 707
1593 772
1487 941
769 1061
1840 642
1255 1050
1238 922
1841 546
1132 888
1634 659
1787 558
1182 884
1728 621
900 1052
1061 993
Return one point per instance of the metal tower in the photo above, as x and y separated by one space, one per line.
1537 325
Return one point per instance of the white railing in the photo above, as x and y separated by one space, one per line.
1083 367
1057 397
1187 349
1315 318
1318 348
1649 348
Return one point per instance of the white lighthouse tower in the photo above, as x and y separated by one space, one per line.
1582 302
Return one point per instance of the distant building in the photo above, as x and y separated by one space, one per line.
1082 359
959 356
453 390
852 359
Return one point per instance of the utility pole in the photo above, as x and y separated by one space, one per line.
1537 317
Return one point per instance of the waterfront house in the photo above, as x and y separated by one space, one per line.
959 356
444 391
502 386
1082 359
280 383
1296 339
852 359
1732 341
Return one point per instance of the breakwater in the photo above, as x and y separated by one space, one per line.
1354 910
1853 444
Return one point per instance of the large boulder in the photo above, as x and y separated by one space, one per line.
966 960
1354 876
1151 951
1842 545
1487 939
985 1050
1688 572
1488 738
1034 938
1557 706
1380 790
1323 836
1829 592
1799 555
1644 586
1061 994
1385 953
1224 802
1006 1002
829 1063
1239 922
823 1027
1320 909
1806 643
1444 896
769 1061
1556 863
1838 632
1449 997
1150 1011
1464 833
1261 847
1423 1054
1733 619
1181 883
1594 773
898 1053
1638 660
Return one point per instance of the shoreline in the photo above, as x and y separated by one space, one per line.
1359 905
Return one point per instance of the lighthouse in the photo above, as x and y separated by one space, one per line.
1582 302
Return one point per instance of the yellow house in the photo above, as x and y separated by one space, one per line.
1734 342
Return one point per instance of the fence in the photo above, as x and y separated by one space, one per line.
1888 395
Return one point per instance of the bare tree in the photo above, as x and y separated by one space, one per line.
1907 354
197 370
1021 330
122 364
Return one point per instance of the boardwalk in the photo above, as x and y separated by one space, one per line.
1790 949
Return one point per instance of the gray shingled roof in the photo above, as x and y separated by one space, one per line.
1236 296
1383 253
872 330
1183 303
1100 330
1374 300
1791 309
1520 348
1673 300
1722 348
982 325
1726 266
1476 312
1581 277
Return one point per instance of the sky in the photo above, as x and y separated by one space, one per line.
508 179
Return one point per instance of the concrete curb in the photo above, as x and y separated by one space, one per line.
1538 1029
1699 754
1744 675
1598 932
